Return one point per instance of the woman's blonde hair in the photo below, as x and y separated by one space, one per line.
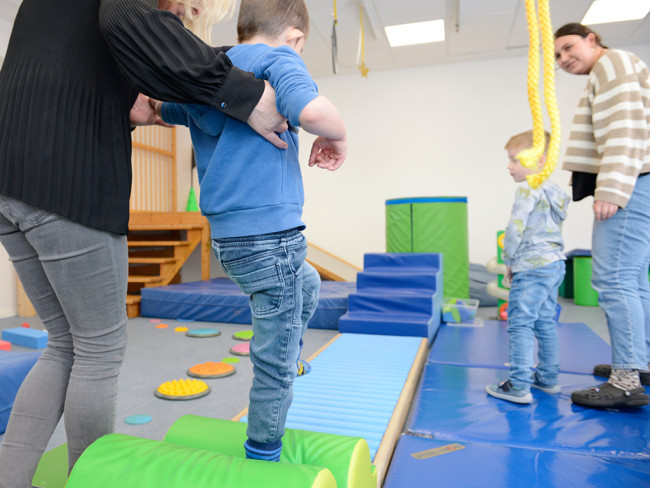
214 12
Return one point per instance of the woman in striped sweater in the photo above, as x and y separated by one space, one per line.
609 155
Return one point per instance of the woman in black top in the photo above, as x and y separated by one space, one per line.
71 75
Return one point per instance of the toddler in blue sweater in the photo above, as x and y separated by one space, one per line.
252 195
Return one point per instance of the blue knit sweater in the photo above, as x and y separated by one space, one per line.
248 186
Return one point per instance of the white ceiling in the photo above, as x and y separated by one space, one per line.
486 29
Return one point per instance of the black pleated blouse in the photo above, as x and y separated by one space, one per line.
72 71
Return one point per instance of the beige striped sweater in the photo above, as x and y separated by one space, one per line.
610 135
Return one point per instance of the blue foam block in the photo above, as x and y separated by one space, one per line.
23 336
14 366
487 346
478 465
221 300
451 404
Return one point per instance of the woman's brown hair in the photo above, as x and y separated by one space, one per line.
576 29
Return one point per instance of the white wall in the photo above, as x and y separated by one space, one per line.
433 131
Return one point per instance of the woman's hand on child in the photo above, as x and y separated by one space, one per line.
143 113
328 153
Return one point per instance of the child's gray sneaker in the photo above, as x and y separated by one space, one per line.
550 389
505 391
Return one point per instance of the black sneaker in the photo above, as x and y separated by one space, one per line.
604 370
607 395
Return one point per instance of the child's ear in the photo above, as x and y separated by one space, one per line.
294 35
542 161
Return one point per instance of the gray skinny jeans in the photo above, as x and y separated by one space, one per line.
76 278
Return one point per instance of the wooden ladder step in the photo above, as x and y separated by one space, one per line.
133 306
135 260
146 280
157 243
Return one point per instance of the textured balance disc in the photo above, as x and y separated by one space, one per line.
243 335
182 390
230 360
138 419
211 369
201 333
243 349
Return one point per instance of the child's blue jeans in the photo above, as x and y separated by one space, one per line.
531 312
284 295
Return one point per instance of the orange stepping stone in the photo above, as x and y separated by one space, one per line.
211 370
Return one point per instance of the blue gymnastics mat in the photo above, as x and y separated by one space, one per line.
451 404
445 464
354 386
221 300
487 346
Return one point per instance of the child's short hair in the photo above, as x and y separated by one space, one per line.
271 17
524 140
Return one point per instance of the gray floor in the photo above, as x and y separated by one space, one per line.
157 355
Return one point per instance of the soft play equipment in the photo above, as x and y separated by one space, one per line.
418 461
14 366
397 294
583 293
432 225
221 300
204 452
25 336
566 288
348 458
497 288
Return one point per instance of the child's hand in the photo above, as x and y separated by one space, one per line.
507 278
328 153
143 112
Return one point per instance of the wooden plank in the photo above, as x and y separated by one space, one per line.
157 243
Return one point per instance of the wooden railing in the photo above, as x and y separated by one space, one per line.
154 163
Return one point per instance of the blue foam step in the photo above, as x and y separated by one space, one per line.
404 324
397 278
402 260
382 300
23 336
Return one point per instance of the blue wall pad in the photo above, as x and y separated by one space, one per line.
353 386
221 300
397 294
487 346
23 336
452 405
479 465
14 366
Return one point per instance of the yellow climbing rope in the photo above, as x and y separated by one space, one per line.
530 157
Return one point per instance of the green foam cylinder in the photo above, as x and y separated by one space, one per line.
433 225
583 293
347 458
118 460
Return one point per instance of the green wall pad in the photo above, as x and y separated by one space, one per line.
347 458
433 225
118 460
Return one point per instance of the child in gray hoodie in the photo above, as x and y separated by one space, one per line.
533 254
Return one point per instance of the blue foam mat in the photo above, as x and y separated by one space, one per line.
487 346
451 404
221 300
481 465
